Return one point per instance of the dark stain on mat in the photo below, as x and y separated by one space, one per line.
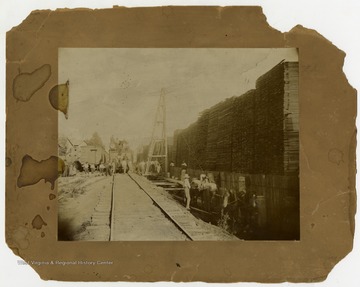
38 222
59 98
25 85
32 171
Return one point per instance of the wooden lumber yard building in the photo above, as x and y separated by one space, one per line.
252 138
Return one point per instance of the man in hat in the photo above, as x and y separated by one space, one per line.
187 190
183 170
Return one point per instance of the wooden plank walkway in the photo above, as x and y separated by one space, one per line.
193 227
136 218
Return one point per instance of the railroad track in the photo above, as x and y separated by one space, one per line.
193 228
111 215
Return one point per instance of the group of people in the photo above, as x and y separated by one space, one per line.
89 167
154 167
103 168
69 169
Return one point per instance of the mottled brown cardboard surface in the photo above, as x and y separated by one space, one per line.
327 148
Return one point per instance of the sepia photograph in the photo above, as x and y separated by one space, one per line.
178 144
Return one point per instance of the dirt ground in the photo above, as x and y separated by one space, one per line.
78 198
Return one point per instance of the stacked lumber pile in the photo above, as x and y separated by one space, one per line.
226 125
255 133
173 155
211 139
243 133
192 143
201 140
181 147
268 127
291 117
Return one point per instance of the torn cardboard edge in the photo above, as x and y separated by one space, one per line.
327 189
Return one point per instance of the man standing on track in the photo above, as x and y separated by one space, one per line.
86 167
187 191
113 167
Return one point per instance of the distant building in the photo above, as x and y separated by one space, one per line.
93 154
70 151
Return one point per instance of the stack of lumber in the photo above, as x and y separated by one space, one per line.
212 137
255 133
201 140
173 155
226 125
181 147
243 133
291 117
192 145
268 127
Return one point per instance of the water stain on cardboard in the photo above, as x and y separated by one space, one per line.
32 171
25 85
38 222
52 196
59 98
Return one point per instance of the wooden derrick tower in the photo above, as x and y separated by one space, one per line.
158 149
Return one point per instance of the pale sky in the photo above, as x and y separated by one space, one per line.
115 91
